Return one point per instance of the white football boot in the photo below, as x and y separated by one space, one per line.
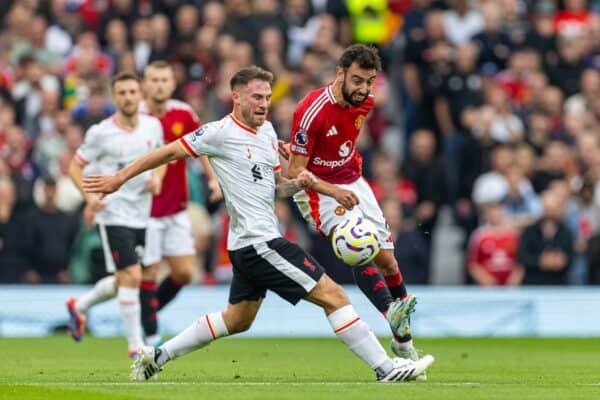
406 370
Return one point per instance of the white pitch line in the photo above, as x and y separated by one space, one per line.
93 384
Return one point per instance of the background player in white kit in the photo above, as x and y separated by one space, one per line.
242 149
122 217
168 233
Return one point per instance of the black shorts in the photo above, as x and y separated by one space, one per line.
277 265
122 246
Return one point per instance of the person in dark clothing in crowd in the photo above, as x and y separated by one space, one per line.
14 241
427 173
410 247
546 247
53 233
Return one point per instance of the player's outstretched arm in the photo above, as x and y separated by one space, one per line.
111 183
346 198
288 187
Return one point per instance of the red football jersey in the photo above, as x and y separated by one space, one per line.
326 133
495 251
178 120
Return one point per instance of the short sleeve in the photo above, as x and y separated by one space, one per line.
305 130
91 148
205 140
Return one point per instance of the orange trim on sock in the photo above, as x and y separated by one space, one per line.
347 325
210 328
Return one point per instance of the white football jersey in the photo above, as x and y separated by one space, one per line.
244 161
107 148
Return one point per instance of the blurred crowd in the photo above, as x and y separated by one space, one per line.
487 108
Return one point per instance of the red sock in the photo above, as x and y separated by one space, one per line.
396 285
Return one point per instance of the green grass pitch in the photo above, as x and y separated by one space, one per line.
307 369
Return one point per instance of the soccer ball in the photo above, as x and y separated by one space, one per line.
355 241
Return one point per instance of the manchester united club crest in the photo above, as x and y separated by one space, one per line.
358 122
177 129
340 210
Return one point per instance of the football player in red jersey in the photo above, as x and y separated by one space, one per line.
168 234
325 127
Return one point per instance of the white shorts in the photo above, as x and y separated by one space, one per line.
168 236
324 213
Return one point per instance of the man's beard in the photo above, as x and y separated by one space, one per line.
348 96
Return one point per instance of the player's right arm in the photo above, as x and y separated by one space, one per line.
346 198
88 152
305 132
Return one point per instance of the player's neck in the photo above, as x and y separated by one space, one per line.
156 109
126 122
237 114
336 89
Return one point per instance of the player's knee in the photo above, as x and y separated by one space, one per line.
130 276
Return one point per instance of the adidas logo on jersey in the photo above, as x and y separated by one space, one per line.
332 131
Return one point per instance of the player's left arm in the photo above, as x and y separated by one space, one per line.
111 183
285 187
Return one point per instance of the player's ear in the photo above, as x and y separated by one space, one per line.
339 72
235 95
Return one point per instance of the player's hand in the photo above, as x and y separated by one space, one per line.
101 184
215 191
154 185
346 198
284 149
305 179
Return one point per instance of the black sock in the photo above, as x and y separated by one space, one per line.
371 283
167 291
149 306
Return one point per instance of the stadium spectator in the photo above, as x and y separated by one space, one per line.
426 172
410 247
492 258
546 247
52 237
14 238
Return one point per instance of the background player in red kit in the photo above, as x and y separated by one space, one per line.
326 124
168 234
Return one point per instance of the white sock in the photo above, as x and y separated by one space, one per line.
129 303
359 338
102 291
199 334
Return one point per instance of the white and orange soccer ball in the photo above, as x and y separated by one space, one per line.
355 241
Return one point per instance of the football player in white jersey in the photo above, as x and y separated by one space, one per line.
122 217
242 149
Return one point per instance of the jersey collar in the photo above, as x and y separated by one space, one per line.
242 125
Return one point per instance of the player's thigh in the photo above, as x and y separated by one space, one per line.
155 236
328 295
371 210
239 317
323 213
